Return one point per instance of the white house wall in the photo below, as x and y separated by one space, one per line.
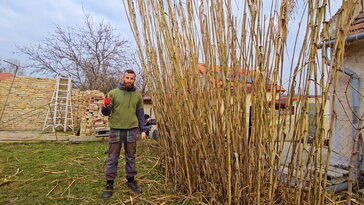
342 136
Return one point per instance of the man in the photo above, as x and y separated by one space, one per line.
124 105
150 128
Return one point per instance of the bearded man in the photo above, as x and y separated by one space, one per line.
124 105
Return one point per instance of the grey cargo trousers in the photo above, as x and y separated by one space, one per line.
117 138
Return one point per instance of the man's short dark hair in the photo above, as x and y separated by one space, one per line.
129 71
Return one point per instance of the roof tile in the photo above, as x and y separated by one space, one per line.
358 24
5 76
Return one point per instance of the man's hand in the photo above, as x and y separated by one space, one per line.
107 102
144 135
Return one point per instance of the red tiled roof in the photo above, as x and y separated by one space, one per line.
283 100
358 24
202 69
356 27
147 99
5 76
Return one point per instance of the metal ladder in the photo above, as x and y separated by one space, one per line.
59 114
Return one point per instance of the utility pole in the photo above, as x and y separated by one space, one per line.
11 86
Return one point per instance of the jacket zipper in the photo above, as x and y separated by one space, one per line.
129 99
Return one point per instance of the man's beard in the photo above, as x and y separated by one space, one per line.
128 85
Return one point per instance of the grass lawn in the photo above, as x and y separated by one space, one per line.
64 173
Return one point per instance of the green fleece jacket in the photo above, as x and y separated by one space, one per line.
125 104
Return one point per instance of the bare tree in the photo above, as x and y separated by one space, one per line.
93 55
141 82
10 66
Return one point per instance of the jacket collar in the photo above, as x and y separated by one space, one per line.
120 86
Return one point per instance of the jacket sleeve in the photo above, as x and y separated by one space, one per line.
140 114
141 120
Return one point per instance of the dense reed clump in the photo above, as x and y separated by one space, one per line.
215 73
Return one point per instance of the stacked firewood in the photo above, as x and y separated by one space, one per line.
91 118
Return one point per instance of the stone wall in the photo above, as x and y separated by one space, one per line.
26 104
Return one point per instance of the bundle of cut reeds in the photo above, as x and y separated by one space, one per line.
215 73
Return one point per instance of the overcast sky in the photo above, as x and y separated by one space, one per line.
26 22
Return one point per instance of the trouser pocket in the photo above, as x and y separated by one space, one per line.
114 136
131 135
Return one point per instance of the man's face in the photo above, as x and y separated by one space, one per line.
128 80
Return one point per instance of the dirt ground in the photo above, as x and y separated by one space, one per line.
13 136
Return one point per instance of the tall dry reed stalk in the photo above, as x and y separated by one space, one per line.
221 136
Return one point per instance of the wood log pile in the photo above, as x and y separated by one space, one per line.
90 116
